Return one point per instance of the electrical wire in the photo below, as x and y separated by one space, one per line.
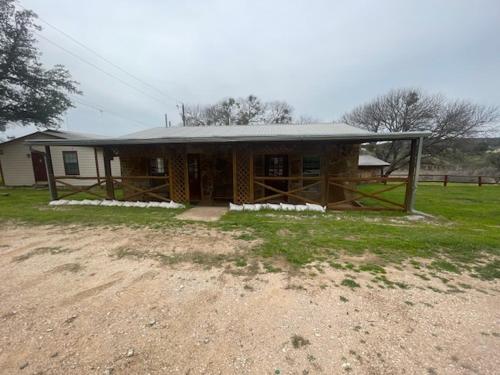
99 69
103 110
101 57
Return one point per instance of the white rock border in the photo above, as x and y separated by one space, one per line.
114 203
277 207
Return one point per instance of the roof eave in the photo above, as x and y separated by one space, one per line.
117 141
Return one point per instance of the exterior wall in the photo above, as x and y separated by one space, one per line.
15 158
86 164
17 167
367 172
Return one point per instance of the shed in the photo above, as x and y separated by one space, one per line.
313 163
371 166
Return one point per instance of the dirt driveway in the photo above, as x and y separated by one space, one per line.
82 300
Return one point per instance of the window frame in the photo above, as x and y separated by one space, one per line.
67 169
154 166
318 174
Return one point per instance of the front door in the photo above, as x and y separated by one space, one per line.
38 160
194 175
276 166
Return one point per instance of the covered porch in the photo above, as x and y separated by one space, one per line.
323 172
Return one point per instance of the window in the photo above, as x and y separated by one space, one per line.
276 165
310 166
71 167
157 167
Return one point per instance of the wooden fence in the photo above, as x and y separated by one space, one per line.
447 178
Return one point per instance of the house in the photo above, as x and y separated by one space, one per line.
314 163
24 165
370 166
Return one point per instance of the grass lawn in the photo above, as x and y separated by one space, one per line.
464 236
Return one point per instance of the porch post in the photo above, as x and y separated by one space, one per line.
413 172
324 175
235 178
97 166
108 156
251 176
50 174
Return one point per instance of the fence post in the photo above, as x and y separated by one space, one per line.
445 181
479 181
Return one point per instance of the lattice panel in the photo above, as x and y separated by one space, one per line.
242 178
178 167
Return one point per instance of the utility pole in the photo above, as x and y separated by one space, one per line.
183 116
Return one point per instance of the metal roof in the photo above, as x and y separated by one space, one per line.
371 161
59 134
240 133
191 132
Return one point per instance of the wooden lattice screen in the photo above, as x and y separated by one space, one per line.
178 177
242 175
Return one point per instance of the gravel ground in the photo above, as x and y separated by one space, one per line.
68 306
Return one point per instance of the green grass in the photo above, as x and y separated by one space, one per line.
464 231
350 283
30 205
464 235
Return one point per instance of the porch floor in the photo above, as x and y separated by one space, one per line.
203 213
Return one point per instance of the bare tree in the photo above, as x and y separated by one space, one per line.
305 119
195 115
406 110
251 110
241 111
278 112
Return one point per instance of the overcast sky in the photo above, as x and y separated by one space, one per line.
322 57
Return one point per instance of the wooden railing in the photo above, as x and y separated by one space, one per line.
347 186
294 193
133 191
350 185
315 190
75 189
130 191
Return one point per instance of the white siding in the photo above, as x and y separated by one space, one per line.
16 164
86 164
17 167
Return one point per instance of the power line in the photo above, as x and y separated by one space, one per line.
104 58
99 69
102 110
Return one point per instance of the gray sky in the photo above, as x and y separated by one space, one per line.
322 57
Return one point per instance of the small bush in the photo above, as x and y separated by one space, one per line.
350 283
299 341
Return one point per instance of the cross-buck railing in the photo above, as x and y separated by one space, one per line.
292 193
130 191
345 186
350 184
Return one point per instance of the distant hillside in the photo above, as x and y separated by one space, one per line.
473 156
